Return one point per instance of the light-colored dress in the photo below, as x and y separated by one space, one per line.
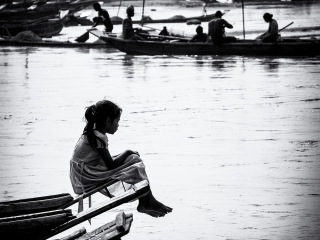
88 170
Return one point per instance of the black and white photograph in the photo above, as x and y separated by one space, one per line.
160 119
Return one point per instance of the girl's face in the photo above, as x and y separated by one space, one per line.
112 126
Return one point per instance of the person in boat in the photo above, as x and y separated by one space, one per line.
272 34
164 32
103 17
128 32
200 36
92 164
216 30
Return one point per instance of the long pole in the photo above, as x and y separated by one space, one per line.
244 32
142 12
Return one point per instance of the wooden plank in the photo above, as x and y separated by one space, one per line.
33 205
32 223
109 230
77 234
120 221
35 215
138 190
37 198
90 192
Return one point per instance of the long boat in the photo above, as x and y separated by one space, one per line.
75 21
180 46
50 8
43 29
43 217
52 44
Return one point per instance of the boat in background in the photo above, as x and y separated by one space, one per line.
44 29
167 45
40 9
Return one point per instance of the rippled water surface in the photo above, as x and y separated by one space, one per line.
231 143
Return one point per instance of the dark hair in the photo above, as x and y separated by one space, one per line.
199 29
218 14
97 114
130 10
96 6
267 16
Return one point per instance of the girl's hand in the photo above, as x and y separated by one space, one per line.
133 152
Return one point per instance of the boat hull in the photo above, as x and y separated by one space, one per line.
303 48
44 29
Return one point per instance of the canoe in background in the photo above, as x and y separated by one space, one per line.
292 47
44 29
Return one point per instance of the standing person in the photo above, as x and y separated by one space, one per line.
92 163
103 17
127 29
200 36
217 30
272 34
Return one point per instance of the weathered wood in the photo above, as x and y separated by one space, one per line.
109 230
137 191
33 223
240 47
33 205
75 235
68 212
90 192
120 221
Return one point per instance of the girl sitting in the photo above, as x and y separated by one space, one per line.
92 164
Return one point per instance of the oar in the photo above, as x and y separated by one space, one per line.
285 26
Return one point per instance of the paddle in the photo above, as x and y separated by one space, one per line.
83 38
286 26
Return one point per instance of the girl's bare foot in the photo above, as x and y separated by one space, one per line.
149 205
152 213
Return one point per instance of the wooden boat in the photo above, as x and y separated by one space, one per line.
117 20
44 29
53 44
34 205
33 217
44 217
37 11
152 45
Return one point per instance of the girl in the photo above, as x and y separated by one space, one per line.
92 163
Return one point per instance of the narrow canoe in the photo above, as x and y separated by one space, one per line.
52 44
34 205
33 226
241 47
45 29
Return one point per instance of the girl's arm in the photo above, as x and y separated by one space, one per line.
114 162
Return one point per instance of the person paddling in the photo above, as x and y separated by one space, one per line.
103 17
217 30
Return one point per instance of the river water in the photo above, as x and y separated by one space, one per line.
231 143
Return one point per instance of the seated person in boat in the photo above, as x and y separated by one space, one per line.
128 32
272 34
217 30
200 36
92 163
164 32
103 17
